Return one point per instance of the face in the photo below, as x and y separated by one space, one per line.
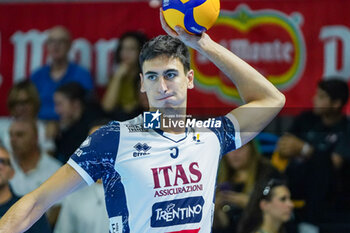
64 107
23 108
6 171
58 44
239 159
129 52
23 138
280 206
322 102
165 82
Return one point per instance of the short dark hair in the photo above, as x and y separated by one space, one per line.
73 91
168 46
335 88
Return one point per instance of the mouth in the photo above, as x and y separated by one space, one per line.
164 97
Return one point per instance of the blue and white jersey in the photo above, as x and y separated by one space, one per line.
156 181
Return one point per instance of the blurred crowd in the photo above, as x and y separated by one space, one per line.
299 184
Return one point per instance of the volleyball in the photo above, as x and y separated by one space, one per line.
195 16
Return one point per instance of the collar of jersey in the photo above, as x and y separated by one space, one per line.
172 137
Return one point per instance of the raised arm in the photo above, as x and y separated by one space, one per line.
262 100
22 215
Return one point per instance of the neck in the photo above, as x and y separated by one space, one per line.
241 175
173 118
58 68
270 225
332 118
28 161
60 64
5 194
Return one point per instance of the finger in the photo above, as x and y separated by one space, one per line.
165 26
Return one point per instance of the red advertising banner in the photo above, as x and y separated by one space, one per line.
292 43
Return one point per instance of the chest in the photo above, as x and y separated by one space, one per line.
154 162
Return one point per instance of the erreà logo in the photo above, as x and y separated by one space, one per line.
269 40
177 212
141 149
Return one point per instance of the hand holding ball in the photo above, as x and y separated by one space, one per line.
195 16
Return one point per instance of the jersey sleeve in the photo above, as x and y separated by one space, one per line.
228 134
96 153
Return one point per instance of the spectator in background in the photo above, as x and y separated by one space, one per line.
8 198
313 149
74 119
268 209
240 172
60 71
88 218
122 97
23 103
32 166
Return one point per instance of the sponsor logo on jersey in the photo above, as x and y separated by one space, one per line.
142 149
196 139
116 224
136 128
151 120
177 179
78 152
86 143
186 231
177 212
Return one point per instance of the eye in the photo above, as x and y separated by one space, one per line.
284 198
151 77
170 75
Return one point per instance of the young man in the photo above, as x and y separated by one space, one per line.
160 180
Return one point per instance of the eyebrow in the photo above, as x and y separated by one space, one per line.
150 73
167 71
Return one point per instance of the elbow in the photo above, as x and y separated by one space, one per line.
279 100
282 100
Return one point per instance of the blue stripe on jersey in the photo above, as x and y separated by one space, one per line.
115 197
226 135
161 133
97 156
99 148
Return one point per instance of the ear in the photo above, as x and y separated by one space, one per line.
142 88
190 77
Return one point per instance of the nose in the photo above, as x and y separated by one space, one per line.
162 85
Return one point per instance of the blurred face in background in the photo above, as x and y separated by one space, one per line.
23 137
22 107
58 43
280 207
6 171
129 52
323 104
239 159
66 109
